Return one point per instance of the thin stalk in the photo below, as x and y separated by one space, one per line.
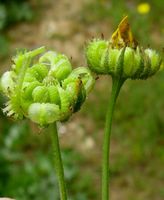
116 86
58 161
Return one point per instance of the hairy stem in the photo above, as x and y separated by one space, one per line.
116 86
58 162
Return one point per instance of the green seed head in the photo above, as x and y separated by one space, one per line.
121 56
44 89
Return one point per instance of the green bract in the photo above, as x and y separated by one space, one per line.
45 89
127 62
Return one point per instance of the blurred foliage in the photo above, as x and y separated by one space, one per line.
4 43
11 12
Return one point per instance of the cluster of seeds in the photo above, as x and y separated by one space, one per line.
127 62
45 89
121 56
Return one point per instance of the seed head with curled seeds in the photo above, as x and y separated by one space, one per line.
44 89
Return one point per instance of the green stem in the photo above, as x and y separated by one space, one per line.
116 86
58 161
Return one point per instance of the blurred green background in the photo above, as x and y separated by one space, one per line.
137 154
